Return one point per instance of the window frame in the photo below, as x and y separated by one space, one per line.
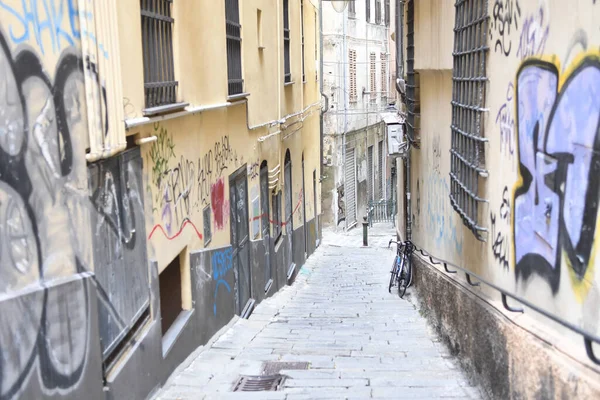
160 85
287 65
378 18
368 10
233 40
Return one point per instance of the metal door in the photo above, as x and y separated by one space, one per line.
238 200
266 231
381 174
304 209
316 209
350 184
289 223
370 174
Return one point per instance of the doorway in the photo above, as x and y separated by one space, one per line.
265 226
240 241
289 218
316 209
304 210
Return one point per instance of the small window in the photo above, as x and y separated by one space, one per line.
302 29
352 9
368 11
378 11
259 31
206 213
286 43
160 86
234 47
277 215
469 81
384 75
352 74
373 78
387 12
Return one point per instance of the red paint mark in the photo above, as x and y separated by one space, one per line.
217 200
183 225
275 222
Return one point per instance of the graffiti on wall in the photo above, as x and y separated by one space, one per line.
505 121
45 221
556 198
439 218
55 20
500 224
506 15
221 262
183 186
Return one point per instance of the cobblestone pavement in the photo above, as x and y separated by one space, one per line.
360 341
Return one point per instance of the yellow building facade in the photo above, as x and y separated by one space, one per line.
160 174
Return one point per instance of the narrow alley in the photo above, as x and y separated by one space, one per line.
348 336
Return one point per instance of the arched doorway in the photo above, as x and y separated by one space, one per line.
265 226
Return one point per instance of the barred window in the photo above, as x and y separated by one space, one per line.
368 11
387 12
384 75
352 73
160 86
373 78
378 11
412 77
286 43
234 47
468 110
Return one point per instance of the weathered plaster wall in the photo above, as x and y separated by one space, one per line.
542 189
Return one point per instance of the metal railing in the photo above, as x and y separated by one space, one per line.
587 337
382 211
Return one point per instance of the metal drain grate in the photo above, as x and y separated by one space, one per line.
274 367
264 383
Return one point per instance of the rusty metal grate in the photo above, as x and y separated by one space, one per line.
266 383
275 367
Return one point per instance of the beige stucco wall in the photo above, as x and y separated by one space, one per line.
196 153
540 34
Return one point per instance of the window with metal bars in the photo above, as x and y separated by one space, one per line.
469 79
160 86
378 11
352 9
352 73
387 12
302 32
233 32
373 78
286 43
412 78
384 75
368 11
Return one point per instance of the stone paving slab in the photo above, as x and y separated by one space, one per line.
359 340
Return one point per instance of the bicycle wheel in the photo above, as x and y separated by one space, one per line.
394 273
409 271
402 278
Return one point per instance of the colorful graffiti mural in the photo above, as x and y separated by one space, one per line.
556 199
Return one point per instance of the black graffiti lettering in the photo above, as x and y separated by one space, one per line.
506 14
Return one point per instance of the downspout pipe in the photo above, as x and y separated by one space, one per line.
323 111
400 87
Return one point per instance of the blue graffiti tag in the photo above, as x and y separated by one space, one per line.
37 17
439 220
221 262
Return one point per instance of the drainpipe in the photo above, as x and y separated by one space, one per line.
321 90
400 75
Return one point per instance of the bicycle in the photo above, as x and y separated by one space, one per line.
401 269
